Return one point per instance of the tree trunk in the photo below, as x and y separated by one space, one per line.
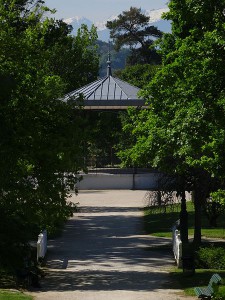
183 219
198 218
200 194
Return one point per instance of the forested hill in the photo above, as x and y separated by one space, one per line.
118 59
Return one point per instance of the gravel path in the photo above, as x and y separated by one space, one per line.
103 253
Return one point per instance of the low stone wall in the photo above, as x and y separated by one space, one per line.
104 181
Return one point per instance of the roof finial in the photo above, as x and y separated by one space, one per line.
109 70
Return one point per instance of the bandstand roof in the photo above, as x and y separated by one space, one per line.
107 93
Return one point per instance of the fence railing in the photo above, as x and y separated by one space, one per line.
42 245
177 246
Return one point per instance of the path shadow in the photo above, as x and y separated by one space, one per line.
106 252
62 281
108 209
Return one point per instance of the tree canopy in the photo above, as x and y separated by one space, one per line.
182 132
74 58
132 29
40 135
138 75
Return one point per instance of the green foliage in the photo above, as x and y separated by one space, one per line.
138 75
211 257
218 196
220 295
213 209
40 135
74 58
198 17
158 222
200 278
183 130
132 29
104 134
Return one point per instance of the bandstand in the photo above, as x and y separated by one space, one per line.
107 93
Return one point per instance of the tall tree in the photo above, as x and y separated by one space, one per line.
183 130
40 135
74 58
132 29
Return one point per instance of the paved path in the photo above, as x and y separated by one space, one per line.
104 254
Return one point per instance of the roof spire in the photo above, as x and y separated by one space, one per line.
109 70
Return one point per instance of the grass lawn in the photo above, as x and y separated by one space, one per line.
200 278
8 288
159 224
5 295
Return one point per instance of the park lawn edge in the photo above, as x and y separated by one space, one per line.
201 278
160 224
14 295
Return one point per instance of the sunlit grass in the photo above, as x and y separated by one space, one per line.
200 278
5 295
159 223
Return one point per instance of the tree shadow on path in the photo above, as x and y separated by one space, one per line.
105 249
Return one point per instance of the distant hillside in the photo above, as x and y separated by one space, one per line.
118 59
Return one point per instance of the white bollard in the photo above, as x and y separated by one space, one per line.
177 246
42 245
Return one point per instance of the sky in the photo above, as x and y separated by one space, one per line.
99 10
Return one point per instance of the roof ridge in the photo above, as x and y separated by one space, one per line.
101 82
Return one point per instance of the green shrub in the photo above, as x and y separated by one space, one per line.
220 295
211 258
